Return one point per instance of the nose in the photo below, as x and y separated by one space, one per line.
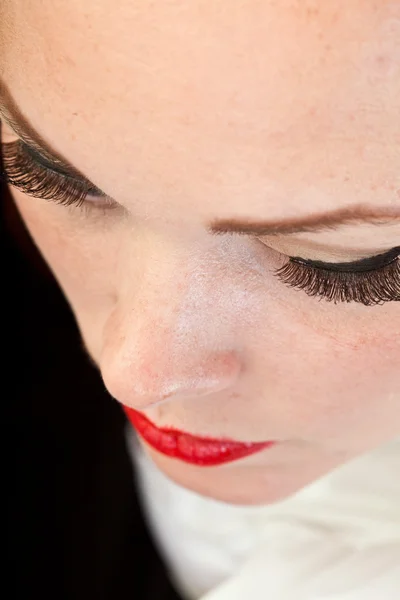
167 340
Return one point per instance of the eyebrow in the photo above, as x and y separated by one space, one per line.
14 117
356 214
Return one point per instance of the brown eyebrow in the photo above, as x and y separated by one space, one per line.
357 214
13 116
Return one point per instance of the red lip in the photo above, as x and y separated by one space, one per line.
201 451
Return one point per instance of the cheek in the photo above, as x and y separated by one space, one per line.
77 258
326 374
350 391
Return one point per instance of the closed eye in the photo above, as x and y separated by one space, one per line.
371 281
30 174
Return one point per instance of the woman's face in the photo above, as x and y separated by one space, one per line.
193 118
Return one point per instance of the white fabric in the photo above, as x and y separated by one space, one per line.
337 539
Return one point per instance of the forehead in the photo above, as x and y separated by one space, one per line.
214 102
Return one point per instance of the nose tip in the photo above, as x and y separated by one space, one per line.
141 387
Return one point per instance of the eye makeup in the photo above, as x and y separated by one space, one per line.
370 281
30 174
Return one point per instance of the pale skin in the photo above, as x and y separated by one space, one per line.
189 112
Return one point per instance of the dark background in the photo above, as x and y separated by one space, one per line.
74 527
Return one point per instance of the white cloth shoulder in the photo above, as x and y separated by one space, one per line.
337 539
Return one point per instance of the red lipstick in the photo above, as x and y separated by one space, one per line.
201 451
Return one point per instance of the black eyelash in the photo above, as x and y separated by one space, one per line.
24 172
368 287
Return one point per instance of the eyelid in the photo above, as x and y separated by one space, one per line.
24 170
42 162
359 266
49 162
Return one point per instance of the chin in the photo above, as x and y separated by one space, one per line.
237 483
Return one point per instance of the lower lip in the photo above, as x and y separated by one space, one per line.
201 451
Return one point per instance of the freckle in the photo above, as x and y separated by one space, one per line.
383 63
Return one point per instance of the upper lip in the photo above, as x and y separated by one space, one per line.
206 437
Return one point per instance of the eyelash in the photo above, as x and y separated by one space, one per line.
369 287
25 173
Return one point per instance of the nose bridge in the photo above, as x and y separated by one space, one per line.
166 301
161 341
